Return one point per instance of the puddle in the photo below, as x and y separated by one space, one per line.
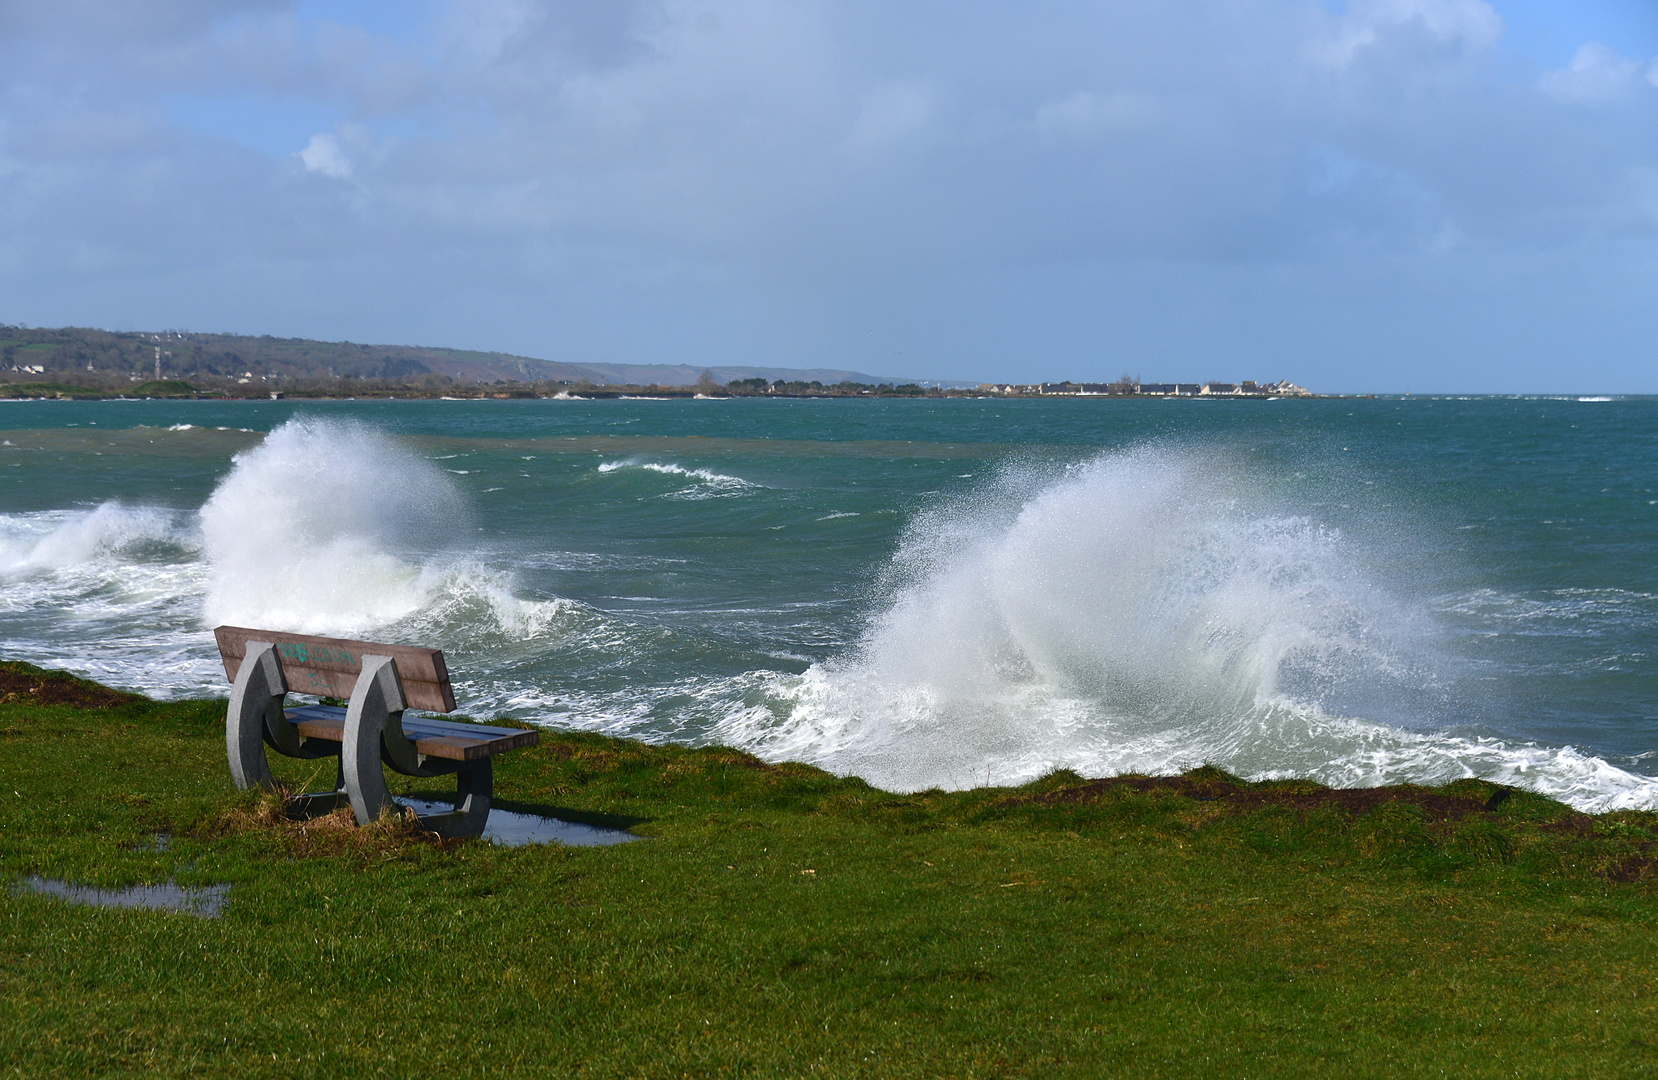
207 901
511 828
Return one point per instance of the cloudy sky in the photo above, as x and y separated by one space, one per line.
1380 195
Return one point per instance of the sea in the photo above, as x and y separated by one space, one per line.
943 593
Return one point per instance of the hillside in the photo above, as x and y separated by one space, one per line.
31 353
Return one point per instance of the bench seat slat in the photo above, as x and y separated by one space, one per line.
446 739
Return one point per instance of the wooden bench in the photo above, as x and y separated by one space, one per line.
380 682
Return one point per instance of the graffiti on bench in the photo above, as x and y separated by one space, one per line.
301 653
314 654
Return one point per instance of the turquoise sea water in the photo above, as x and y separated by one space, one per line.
918 592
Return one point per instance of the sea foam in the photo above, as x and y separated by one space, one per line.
322 528
61 541
1145 612
704 483
335 528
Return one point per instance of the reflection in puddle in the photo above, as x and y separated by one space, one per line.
207 901
511 828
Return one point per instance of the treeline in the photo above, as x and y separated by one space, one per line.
81 350
73 360
108 360
115 355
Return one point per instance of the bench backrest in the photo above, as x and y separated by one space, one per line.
328 667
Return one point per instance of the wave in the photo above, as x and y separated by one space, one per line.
706 482
106 592
321 528
64 540
1145 612
336 528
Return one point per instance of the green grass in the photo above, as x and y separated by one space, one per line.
47 389
779 921
162 388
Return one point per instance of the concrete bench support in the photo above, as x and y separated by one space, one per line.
255 719
374 736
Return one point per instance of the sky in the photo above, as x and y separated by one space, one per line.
1372 196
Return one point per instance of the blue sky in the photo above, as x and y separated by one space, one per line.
1382 195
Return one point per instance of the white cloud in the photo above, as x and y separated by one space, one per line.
1084 114
484 31
1368 24
890 112
323 155
1596 74
1644 187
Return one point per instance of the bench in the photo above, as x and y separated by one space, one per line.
379 682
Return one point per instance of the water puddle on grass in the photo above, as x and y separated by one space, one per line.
205 901
513 828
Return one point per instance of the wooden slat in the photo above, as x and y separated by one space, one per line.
435 738
328 667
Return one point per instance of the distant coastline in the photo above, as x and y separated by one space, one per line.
211 389
75 362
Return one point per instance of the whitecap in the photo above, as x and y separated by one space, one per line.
706 482
325 528
1139 614
65 540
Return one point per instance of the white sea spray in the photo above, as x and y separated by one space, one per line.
1139 615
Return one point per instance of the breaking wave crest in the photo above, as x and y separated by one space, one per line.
65 541
704 483
326 528
334 528
98 591
1145 612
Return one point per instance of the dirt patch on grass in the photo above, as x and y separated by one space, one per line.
1639 867
335 833
1577 826
25 683
737 759
1301 796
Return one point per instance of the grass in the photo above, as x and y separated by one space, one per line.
779 921
162 388
46 389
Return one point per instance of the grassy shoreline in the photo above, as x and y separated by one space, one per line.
779 921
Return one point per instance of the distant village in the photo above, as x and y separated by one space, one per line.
1131 388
